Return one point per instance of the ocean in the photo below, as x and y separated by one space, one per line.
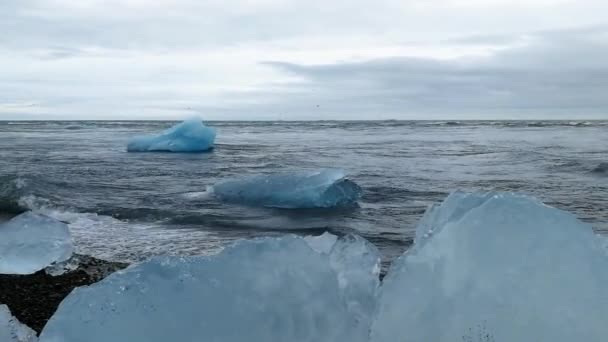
130 206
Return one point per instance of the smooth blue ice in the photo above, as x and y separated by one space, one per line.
30 242
497 267
189 136
272 289
324 188
11 330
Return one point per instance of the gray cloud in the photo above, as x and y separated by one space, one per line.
555 75
135 58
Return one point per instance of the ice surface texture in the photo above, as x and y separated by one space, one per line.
11 330
489 267
497 267
30 242
189 136
304 189
274 289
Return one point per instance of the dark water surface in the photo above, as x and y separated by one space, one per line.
128 206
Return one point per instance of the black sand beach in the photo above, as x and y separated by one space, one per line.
34 298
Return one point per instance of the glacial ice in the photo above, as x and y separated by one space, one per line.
324 188
189 136
11 330
496 267
485 267
261 290
30 242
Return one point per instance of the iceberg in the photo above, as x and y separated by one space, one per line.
11 330
324 188
189 136
30 242
271 289
496 267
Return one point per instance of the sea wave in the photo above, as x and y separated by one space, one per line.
11 191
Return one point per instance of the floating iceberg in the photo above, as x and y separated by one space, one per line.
11 330
31 242
496 267
306 189
189 136
273 289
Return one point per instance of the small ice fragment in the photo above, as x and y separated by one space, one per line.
60 268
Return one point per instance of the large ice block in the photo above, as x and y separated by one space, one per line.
273 289
304 189
11 330
189 136
497 267
30 242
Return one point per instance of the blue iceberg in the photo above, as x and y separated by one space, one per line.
30 242
189 136
305 189
496 267
272 289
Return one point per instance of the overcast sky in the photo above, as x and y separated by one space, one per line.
306 59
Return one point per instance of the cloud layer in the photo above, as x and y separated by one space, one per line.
280 59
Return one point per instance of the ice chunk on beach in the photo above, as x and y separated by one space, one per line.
497 267
11 330
272 289
324 188
189 136
30 242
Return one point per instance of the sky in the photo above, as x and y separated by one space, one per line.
303 60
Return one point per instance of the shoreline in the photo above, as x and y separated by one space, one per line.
34 298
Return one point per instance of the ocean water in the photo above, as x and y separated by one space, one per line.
129 206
